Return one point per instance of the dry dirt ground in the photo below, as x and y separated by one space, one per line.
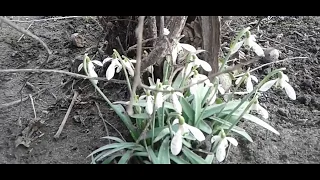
297 121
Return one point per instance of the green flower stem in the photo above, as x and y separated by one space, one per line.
125 71
232 94
248 96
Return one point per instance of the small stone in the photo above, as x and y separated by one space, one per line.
283 112
14 53
77 40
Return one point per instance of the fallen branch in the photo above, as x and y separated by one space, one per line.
57 135
104 123
47 19
61 72
23 31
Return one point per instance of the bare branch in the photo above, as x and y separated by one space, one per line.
175 26
161 25
137 80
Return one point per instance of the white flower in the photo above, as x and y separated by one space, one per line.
175 100
176 142
223 144
196 78
116 66
250 42
90 68
213 95
150 99
260 110
281 82
249 85
159 95
166 31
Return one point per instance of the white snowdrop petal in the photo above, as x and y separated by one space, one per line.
166 31
133 61
176 104
200 51
232 140
159 100
91 72
149 107
238 80
290 91
80 67
174 55
194 88
257 49
110 71
196 132
220 153
249 85
215 138
176 121
99 63
106 60
188 47
221 90
236 47
254 78
206 66
254 107
266 86
142 97
150 69
178 94
212 98
264 113
176 143
285 77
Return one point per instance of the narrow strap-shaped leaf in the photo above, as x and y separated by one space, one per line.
126 157
140 116
111 158
186 108
191 155
178 160
107 153
152 155
209 159
260 122
203 126
163 155
113 145
113 138
121 112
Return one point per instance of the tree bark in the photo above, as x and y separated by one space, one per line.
210 26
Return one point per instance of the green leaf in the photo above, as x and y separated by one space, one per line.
111 158
209 159
236 129
126 157
156 132
187 109
205 127
192 156
142 154
177 82
178 160
162 134
121 112
197 109
152 155
113 145
186 143
140 116
260 122
229 106
107 153
163 155
160 115
113 138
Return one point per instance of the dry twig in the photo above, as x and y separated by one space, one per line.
57 135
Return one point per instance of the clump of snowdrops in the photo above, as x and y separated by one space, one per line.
174 117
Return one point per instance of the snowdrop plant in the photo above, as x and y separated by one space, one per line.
183 118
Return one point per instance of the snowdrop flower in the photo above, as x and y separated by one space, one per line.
248 80
116 66
150 99
176 142
213 95
281 82
166 31
259 109
90 68
223 144
159 95
175 100
198 77
250 42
